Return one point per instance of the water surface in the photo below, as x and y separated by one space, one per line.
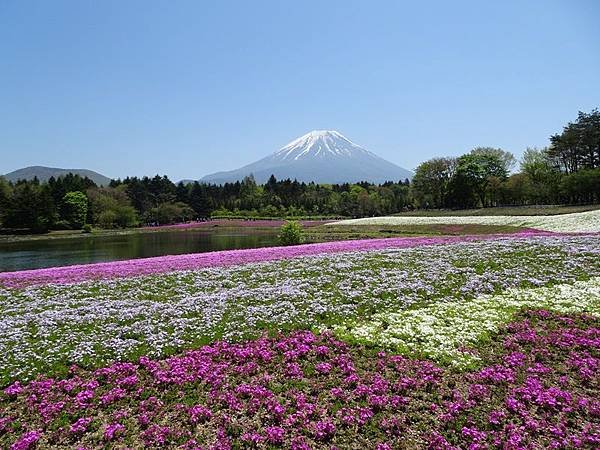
36 254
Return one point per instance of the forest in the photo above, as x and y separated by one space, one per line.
565 172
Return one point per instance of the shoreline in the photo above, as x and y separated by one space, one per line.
192 261
188 226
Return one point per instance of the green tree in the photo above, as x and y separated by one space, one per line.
167 213
582 186
30 206
475 171
199 200
250 193
507 159
515 190
75 208
125 216
544 177
110 207
5 194
106 219
431 182
578 146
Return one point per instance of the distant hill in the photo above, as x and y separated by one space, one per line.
44 173
321 156
184 181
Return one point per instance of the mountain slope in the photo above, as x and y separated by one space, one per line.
44 173
321 156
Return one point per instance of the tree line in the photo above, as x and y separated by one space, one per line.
71 201
565 172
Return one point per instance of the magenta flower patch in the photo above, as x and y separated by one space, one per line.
537 387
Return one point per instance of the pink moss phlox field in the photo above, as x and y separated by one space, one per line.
163 264
537 388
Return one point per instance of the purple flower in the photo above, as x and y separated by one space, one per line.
383 446
113 430
199 414
14 389
27 440
323 368
324 430
80 425
275 434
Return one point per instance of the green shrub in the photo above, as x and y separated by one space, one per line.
291 233
107 219
87 228
75 208
125 217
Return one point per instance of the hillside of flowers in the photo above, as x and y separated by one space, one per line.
536 388
588 222
450 342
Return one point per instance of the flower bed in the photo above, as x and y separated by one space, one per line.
44 328
584 222
537 387
163 264
440 330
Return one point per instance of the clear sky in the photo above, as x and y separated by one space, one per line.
185 88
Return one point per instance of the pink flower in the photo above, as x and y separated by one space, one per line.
324 430
323 368
293 370
253 437
80 426
14 389
275 435
156 435
199 414
83 398
27 440
113 430
495 417
383 446
113 395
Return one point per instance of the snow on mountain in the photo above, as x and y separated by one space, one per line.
318 143
322 156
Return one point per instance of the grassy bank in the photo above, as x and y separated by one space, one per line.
324 233
215 225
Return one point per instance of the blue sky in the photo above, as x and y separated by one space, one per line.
185 88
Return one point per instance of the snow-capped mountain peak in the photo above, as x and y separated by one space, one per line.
318 143
322 156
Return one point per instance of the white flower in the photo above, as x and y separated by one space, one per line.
584 222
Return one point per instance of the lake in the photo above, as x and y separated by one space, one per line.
35 254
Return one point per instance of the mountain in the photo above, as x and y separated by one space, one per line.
185 181
321 156
44 173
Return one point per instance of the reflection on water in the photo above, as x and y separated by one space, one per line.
90 249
